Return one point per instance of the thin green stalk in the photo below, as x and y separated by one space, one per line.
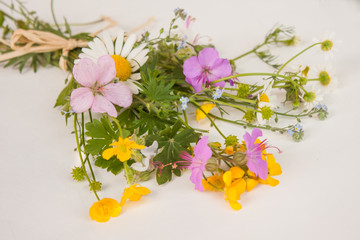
282 67
212 122
249 52
127 173
81 158
118 125
251 74
53 15
83 141
185 117
239 99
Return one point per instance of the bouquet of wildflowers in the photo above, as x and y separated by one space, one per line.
128 99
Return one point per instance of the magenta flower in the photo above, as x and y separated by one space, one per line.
205 68
253 154
202 153
97 92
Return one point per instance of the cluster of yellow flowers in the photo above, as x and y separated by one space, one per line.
236 180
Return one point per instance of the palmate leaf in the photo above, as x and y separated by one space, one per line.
172 141
113 165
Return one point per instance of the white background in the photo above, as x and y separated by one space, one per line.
318 195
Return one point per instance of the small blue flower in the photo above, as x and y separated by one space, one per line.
290 132
218 93
182 43
297 127
324 107
318 106
184 101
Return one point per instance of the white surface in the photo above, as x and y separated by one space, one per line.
318 195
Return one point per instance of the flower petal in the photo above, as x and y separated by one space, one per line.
100 46
258 166
196 178
136 51
108 153
128 45
107 70
81 99
192 68
86 72
207 57
108 42
202 151
118 94
119 42
102 105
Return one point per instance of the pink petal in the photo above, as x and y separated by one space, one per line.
192 67
81 99
202 151
107 70
259 167
196 83
86 72
102 105
118 94
221 68
196 178
207 57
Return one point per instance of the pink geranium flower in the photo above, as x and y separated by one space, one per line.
253 153
202 153
206 67
97 93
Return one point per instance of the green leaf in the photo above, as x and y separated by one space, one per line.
67 27
96 129
64 96
165 175
113 165
95 146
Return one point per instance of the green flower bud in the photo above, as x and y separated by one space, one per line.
303 81
231 140
298 136
95 186
296 104
144 176
322 115
78 174
309 96
324 78
212 165
266 112
215 145
240 158
326 45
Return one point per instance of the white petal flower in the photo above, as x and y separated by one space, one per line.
319 96
149 153
128 59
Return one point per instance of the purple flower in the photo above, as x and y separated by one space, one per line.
253 154
97 92
205 68
202 153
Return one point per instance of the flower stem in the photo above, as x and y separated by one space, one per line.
80 155
126 167
207 115
83 142
251 74
118 125
53 15
282 67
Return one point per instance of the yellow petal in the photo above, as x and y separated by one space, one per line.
229 150
264 98
235 205
113 205
227 178
123 156
108 153
237 172
239 185
272 181
206 108
275 170
250 184
102 210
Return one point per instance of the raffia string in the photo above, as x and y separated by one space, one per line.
33 41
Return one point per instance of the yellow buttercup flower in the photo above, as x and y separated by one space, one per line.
274 170
133 193
122 149
206 108
102 210
235 185
215 180
229 150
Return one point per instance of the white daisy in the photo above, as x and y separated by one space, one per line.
127 58
316 96
329 45
328 80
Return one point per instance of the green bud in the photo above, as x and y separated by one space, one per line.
309 96
322 115
212 165
215 145
137 156
249 116
298 136
326 45
296 104
231 140
144 176
78 174
303 81
266 112
243 90
324 78
240 158
95 186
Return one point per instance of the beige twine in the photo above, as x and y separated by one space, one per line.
33 41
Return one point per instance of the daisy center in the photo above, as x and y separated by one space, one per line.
264 98
123 67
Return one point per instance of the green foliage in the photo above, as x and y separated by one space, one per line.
113 165
95 185
231 140
172 141
64 96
